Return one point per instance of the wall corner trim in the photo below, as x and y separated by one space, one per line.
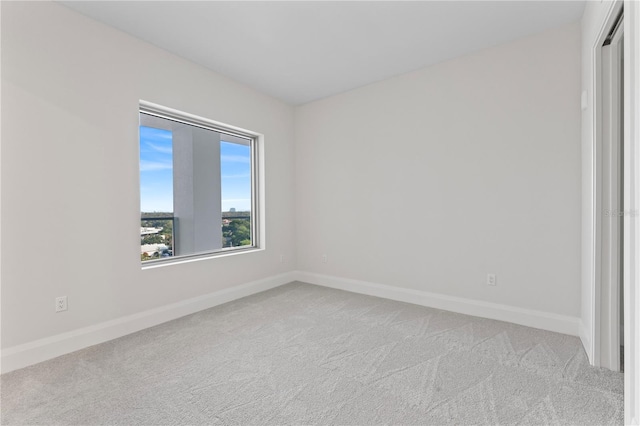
527 317
30 353
586 341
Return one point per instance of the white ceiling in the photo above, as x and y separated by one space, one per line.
303 51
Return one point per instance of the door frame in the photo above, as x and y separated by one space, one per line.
631 269
602 252
631 215
609 198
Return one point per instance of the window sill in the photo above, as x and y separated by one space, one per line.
153 264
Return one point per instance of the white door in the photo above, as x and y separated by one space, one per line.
612 200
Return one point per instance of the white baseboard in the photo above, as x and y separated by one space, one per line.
528 317
40 350
585 337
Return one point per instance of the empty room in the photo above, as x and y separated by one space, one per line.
319 212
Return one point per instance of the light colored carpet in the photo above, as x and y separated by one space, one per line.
303 354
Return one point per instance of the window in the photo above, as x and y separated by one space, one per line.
197 187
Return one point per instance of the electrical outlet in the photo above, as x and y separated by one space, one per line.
491 279
61 304
325 259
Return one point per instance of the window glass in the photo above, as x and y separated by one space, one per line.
196 189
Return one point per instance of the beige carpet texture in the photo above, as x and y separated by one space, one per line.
304 354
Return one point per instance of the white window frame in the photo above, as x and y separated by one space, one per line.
253 139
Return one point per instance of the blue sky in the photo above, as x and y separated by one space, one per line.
235 165
156 170
156 173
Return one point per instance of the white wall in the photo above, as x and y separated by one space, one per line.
430 180
70 92
632 227
422 182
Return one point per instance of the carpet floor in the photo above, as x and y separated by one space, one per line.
303 354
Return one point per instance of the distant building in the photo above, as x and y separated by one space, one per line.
236 215
232 209
151 249
149 231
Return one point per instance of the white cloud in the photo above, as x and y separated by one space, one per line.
152 166
159 148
